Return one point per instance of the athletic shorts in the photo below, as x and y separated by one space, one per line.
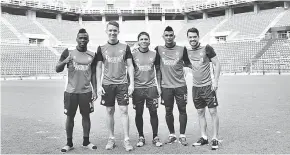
150 95
113 91
73 100
204 96
168 95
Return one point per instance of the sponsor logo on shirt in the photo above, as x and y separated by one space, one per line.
169 62
80 66
114 59
144 67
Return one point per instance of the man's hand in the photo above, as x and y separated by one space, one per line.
214 85
159 91
94 95
130 89
68 59
100 91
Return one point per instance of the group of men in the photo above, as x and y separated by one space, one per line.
116 73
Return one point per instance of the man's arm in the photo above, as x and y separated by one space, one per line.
217 67
157 69
129 60
185 58
93 76
63 60
99 65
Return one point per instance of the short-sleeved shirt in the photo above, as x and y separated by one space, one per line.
144 74
172 61
200 58
114 57
79 70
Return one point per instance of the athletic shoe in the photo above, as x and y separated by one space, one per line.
156 141
65 149
214 144
90 146
171 139
200 142
111 144
141 142
182 140
127 145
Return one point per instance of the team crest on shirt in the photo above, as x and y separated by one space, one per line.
103 102
121 51
89 58
65 111
151 59
137 59
176 53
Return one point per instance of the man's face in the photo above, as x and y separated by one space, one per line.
168 37
144 41
112 32
193 38
82 40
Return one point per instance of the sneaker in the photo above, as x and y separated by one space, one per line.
214 144
182 140
127 145
200 142
65 149
156 141
141 142
111 144
171 139
90 146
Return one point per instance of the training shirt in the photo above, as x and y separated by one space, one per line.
172 60
114 57
79 70
200 60
144 74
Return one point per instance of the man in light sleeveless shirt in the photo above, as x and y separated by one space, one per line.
173 58
204 88
116 57
144 61
81 67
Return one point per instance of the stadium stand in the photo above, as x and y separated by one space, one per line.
29 61
249 25
23 24
96 31
7 34
64 30
285 20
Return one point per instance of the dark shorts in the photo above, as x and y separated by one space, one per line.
150 95
113 91
168 95
73 100
204 96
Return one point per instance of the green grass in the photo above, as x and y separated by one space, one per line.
254 116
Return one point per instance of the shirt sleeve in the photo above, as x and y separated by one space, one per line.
64 55
128 53
99 56
185 58
210 51
94 63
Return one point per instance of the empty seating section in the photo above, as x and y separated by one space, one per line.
96 32
27 60
235 56
7 34
143 3
23 24
99 3
278 53
64 31
204 27
249 25
122 3
285 20
166 3
156 30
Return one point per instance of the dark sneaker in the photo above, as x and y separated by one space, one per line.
214 144
141 142
171 139
156 141
182 140
200 142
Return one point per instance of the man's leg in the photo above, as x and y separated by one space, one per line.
215 120
110 120
123 101
202 122
70 108
138 105
84 103
181 101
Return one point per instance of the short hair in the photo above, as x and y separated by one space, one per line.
193 30
82 30
143 33
168 28
114 23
